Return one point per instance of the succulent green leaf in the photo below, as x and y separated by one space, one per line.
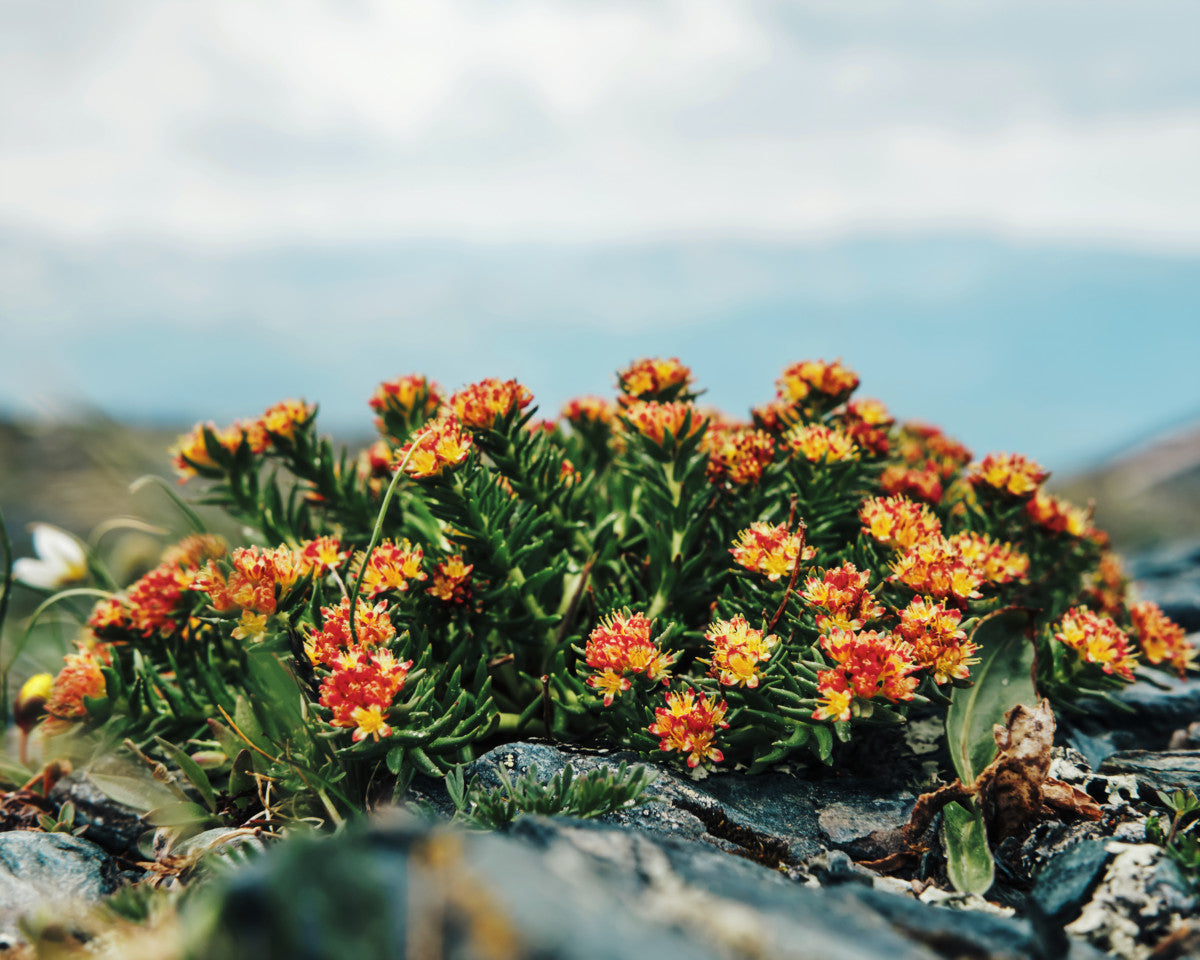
969 862
192 770
1003 678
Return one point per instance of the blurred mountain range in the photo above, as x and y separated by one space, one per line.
1054 350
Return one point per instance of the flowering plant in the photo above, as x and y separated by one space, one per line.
642 570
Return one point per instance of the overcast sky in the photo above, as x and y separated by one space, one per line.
234 121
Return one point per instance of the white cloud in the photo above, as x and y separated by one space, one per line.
559 119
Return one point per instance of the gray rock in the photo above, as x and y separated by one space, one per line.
50 871
772 818
1141 900
1068 881
569 890
1172 770
1155 712
113 825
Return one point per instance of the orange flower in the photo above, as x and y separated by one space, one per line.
842 593
924 484
898 522
866 665
821 444
1162 640
689 724
258 580
655 420
589 410
1098 640
329 645
801 379
322 555
937 642
737 457
925 447
361 689
190 455
451 580
1008 473
777 416
654 379
282 420
770 550
936 568
192 551
737 651
479 405
391 567
866 422
79 677
1107 585
438 446
407 396
998 562
621 646
1057 515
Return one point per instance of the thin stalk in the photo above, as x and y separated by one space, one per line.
5 591
378 532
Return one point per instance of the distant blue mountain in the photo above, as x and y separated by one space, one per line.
1061 352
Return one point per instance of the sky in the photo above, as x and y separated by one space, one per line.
991 207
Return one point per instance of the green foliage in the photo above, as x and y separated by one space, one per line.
1180 838
642 573
969 862
1003 678
592 795
63 823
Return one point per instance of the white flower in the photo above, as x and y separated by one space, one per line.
60 559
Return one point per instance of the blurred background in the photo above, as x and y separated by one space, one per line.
990 211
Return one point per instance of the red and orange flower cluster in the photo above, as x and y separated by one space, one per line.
363 678
655 420
931 460
801 379
480 405
1162 640
451 581
688 724
866 665
820 444
1009 473
738 650
842 594
277 426
898 522
867 422
935 568
772 551
435 448
1098 640
155 604
654 379
391 567
409 396
938 645
79 678
621 647
589 410
1058 516
737 456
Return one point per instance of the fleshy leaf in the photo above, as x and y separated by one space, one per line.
969 861
1003 678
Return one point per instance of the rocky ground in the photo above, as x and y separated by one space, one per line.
725 867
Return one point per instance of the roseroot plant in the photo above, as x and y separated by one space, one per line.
643 572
